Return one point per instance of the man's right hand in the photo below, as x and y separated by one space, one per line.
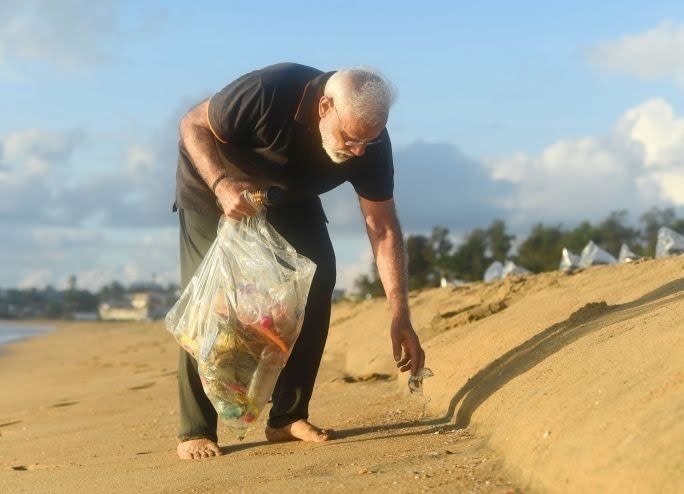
233 200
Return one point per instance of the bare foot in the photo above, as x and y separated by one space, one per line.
194 449
298 431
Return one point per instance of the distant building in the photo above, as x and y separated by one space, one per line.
136 306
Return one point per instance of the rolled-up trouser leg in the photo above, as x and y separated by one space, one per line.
309 236
197 415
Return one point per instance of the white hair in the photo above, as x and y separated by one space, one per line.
362 93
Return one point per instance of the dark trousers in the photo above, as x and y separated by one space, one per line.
305 229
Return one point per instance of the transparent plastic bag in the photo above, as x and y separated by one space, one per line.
493 272
670 243
240 316
511 268
569 261
592 255
498 271
626 254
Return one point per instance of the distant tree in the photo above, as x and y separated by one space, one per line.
71 284
421 259
498 241
469 261
441 250
172 288
577 238
652 220
79 301
113 291
678 226
369 284
541 250
613 232
435 256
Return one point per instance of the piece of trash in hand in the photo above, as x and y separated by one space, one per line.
415 383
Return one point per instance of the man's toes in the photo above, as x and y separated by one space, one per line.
196 449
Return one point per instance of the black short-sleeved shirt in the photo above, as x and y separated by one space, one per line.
266 129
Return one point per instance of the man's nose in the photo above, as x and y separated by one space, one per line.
358 149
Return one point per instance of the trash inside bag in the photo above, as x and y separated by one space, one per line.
593 255
626 254
670 243
569 261
240 316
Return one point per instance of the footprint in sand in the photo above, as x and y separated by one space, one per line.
33 466
7 424
141 386
64 404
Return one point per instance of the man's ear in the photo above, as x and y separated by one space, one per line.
325 104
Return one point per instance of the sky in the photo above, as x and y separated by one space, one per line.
524 111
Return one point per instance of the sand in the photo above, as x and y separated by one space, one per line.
545 383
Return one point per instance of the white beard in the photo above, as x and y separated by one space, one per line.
337 156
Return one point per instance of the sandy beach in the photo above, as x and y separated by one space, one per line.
545 383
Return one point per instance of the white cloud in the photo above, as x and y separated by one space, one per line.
67 33
116 222
654 54
35 278
70 33
35 152
38 183
37 256
654 126
635 166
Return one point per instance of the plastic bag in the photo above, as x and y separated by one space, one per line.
670 243
493 272
498 271
592 255
569 261
415 383
240 316
511 268
626 254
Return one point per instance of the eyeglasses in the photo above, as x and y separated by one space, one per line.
352 142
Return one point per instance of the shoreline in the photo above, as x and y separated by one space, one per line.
14 330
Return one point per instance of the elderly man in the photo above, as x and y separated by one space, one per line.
305 132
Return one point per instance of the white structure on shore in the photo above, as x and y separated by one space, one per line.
137 306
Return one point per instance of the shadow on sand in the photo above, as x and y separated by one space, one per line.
585 321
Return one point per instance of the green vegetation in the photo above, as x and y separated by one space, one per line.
51 303
435 256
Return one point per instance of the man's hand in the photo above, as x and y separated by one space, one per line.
408 354
232 197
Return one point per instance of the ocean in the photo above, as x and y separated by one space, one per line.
11 331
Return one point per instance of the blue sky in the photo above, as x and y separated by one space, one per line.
526 111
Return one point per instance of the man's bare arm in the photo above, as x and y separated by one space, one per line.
387 243
200 143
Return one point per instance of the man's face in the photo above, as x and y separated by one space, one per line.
341 136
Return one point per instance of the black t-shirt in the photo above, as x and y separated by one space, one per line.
266 129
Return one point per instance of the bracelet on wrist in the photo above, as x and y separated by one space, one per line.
216 182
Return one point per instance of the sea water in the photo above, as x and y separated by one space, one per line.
11 331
